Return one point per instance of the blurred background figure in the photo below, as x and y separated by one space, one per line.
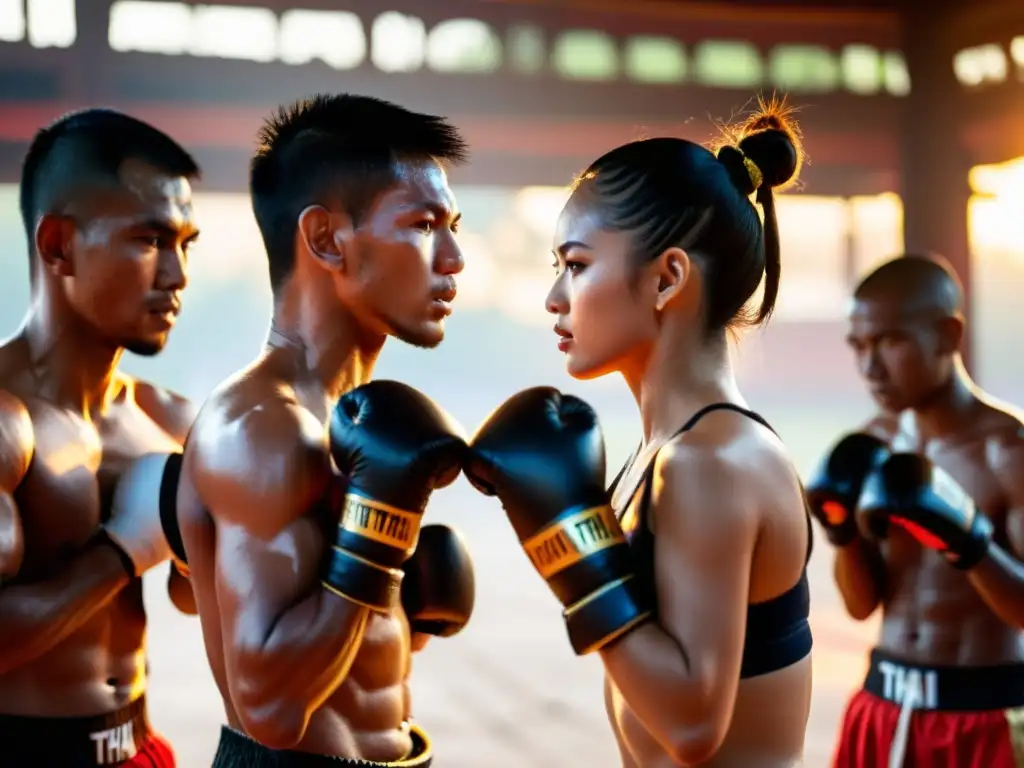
911 114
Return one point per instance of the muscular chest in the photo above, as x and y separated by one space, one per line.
74 471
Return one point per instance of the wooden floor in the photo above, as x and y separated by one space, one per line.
507 692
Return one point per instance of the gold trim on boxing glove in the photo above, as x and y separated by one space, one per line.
345 595
377 566
422 750
380 522
570 610
395 573
616 634
565 542
181 567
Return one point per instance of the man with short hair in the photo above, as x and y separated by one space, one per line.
307 643
106 202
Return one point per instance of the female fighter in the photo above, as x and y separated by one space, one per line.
688 575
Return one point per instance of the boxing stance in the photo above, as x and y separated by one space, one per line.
304 484
107 209
687 577
928 526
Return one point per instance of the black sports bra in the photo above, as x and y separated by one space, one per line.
778 633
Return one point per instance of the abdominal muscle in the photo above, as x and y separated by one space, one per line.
367 717
96 671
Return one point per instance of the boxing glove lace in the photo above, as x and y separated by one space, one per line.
439 589
395 446
542 454
910 491
835 486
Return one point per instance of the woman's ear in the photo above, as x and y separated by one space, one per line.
672 271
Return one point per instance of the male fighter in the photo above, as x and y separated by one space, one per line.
307 641
935 536
107 207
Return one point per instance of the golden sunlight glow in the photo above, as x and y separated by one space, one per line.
877 225
1003 179
994 218
539 207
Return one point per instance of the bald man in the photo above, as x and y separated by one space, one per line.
927 519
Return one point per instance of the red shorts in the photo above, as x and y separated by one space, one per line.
154 752
949 717
121 738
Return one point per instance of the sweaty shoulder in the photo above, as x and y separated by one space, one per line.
727 455
258 462
17 441
172 412
1004 442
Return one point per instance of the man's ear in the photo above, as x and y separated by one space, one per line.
671 270
326 236
54 238
951 335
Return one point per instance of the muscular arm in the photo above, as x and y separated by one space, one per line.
175 415
859 571
680 676
999 577
288 642
859 568
36 616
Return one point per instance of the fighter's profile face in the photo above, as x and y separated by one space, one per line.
898 357
599 319
408 257
130 257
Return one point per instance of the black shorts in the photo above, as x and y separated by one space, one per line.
237 750
123 738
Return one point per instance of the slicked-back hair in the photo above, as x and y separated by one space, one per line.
86 148
339 149
669 192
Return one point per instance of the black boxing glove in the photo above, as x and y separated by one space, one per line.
542 455
910 491
835 487
395 446
439 589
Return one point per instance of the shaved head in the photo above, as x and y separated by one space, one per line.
919 285
906 325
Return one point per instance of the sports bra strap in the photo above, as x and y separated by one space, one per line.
690 424
648 475
722 407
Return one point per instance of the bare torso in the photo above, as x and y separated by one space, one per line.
62 501
366 716
931 612
762 734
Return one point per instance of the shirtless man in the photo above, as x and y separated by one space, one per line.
936 536
106 203
305 640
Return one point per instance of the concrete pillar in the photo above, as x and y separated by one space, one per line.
934 165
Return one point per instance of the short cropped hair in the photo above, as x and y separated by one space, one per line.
85 148
341 149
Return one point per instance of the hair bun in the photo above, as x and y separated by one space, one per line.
736 164
771 140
